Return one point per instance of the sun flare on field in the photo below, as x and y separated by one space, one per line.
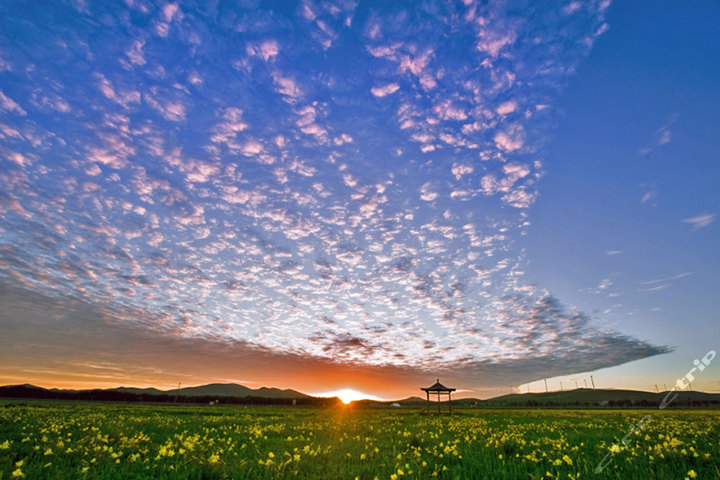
347 395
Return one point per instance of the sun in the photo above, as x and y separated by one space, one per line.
347 395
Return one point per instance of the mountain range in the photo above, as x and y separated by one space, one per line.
217 390
234 393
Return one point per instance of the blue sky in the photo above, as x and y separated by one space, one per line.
360 195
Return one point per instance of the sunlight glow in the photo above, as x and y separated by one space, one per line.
347 395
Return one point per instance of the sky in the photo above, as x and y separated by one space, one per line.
370 195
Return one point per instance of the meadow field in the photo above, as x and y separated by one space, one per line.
54 440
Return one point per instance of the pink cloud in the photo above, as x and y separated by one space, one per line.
135 53
9 105
460 169
492 42
507 107
511 139
427 194
287 87
385 90
266 49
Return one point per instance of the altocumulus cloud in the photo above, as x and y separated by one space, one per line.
224 175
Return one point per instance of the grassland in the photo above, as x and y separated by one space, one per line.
51 440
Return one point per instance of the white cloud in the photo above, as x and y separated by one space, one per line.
648 196
667 279
701 220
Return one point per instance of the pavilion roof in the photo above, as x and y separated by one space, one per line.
438 387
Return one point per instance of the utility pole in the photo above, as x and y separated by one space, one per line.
177 392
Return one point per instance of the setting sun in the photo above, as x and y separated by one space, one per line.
347 395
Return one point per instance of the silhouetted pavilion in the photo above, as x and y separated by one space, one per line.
438 389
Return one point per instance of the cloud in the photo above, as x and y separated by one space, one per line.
663 136
519 198
168 13
216 194
267 49
667 279
287 87
493 41
459 170
700 221
9 105
135 53
385 90
659 284
427 194
511 139
121 97
648 197
507 107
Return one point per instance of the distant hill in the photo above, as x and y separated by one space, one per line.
135 391
579 398
410 402
602 397
217 390
229 393
235 390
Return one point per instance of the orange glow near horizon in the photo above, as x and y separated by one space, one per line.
347 395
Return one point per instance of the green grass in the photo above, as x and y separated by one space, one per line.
48 440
